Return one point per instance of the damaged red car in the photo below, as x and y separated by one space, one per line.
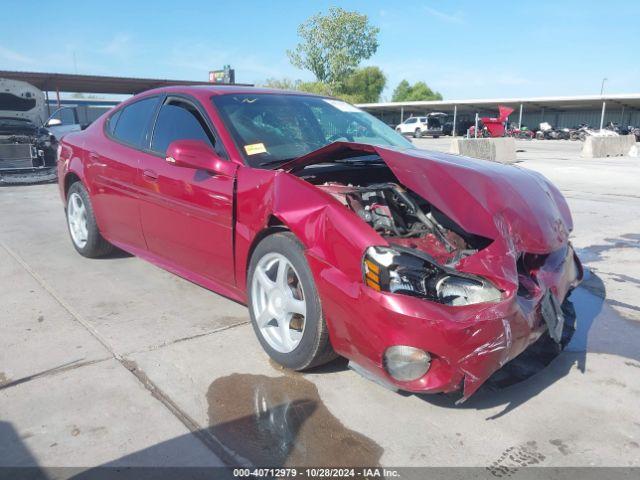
428 271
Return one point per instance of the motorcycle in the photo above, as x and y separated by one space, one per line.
522 133
547 132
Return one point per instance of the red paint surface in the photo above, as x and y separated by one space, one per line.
203 227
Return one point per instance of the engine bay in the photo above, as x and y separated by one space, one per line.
399 215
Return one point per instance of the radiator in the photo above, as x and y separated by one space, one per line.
17 155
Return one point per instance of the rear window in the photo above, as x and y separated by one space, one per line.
112 122
133 121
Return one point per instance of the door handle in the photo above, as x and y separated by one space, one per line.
150 175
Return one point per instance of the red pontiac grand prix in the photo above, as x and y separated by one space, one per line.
428 271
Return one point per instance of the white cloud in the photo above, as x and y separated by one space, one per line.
446 17
119 46
13 56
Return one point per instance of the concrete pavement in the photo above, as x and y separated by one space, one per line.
115 361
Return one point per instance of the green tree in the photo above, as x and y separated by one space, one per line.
333 45
318 88
406 92
282 84
363 85
401 92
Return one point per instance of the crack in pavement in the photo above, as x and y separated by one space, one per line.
51 372
207 438
153 348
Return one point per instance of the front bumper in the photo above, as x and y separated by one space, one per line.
467 344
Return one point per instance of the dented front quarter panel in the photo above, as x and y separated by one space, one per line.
517 209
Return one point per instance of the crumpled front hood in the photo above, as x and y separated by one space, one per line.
484 198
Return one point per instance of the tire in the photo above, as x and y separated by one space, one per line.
417 133
436 136
84 225
312 346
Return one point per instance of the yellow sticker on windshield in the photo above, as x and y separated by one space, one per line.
255 148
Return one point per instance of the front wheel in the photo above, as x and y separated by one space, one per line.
85 236
284 304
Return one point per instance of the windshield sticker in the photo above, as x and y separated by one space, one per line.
342 106
255 148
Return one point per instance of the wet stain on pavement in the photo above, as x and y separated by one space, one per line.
282 421
561 446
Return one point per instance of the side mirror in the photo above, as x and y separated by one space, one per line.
54 122
198 155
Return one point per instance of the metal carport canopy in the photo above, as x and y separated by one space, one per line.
66 82
631 100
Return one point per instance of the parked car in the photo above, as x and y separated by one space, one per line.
64 120
27 148
428 271
428 126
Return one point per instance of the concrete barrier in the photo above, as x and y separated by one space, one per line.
501 150
599 147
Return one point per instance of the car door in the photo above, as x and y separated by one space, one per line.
409 125
113 160
186 214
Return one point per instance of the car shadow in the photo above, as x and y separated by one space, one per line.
115 254
590 323
253 420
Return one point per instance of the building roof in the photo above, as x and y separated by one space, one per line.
66 82
631 100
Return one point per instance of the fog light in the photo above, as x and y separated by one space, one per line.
406 363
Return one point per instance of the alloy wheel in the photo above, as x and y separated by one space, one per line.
278 302
77 218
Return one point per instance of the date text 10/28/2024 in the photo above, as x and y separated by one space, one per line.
322 472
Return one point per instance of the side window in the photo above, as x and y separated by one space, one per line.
411 120
179 120
133 121
67 115
113 120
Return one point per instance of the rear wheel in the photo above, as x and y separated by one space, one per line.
85 236
284 304
417 133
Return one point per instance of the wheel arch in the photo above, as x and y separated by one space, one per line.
69 179
273 225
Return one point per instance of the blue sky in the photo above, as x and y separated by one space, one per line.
464 49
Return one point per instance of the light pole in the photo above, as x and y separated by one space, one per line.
602 86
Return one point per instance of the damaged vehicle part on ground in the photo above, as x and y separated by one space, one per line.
428 271
27 149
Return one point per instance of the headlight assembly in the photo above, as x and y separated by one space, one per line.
399 270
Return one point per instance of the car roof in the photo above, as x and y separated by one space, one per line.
209 90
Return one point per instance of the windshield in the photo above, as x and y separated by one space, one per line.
272 128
